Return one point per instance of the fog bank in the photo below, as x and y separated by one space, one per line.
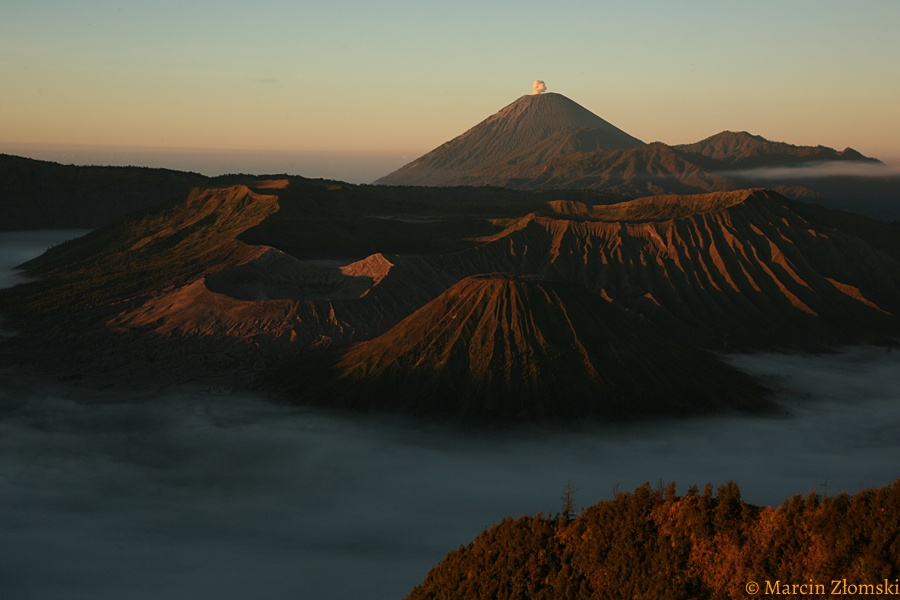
190 494
833 168
186 493
17 247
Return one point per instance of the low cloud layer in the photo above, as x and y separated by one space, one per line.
188 494
185 494
817 170
17 247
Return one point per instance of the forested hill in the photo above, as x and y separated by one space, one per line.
651 543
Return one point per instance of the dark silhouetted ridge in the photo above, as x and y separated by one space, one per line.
38 194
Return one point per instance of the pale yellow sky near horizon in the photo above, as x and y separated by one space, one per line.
400 78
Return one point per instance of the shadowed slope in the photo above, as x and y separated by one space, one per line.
549 142
746 269
650 169
726 162
499 347
38 194
741 150
516 129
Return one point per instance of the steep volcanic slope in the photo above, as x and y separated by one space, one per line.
734 268
500 347
203 285
168 246
542 142
844 180
221 281
650 169
725 270
516 129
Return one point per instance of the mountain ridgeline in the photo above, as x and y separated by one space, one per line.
547 141
37 194
531 304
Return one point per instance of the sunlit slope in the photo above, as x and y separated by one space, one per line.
161 248
281 268
654 544
738 267
226 264
504 347
207 230
730 269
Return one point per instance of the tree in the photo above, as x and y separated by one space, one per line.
568 499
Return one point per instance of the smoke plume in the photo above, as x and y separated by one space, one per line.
538 87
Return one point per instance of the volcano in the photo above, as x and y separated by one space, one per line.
502 348
513 132
549 142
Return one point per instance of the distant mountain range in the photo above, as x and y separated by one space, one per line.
548 141
539 142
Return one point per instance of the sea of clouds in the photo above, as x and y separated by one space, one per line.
186 493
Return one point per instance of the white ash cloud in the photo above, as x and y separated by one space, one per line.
538 87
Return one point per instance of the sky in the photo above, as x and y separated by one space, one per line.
352 87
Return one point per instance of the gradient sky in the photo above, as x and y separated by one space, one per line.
398 78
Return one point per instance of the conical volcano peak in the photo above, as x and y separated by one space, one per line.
546 113
508 134
501 347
